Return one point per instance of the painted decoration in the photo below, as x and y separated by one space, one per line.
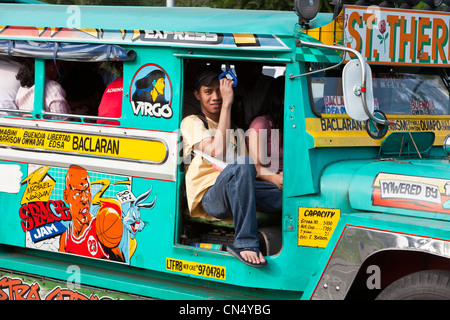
398 37
83 213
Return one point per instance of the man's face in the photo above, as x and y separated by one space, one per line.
78 195
210 98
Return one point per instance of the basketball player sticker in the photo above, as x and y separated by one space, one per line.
82 213
151 92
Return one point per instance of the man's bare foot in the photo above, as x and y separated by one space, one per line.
252 256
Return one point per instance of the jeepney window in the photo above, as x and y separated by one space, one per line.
397 91
88 92
72 80
93 90
9 85
54 97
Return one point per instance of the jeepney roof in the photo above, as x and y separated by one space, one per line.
23 1
194 19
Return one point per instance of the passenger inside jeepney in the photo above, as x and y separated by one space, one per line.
265 136
221 178
9 85
111 103
55 95
84 87
251 90
191 67
249 93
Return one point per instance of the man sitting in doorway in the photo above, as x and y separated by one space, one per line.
222 191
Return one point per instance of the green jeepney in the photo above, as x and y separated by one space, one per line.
366 187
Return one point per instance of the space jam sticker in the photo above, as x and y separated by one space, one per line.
151 92
412 192
82 213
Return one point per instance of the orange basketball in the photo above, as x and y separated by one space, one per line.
109 227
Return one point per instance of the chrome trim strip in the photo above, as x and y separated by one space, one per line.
344 264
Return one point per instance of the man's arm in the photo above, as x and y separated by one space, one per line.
216 146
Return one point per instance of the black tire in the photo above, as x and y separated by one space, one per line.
423 285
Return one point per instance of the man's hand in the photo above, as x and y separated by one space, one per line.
217 145
226 91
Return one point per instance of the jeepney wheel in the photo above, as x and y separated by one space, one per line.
422 285
376 130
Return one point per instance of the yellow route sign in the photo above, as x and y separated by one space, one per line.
135 148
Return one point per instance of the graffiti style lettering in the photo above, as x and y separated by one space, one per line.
110 225
67 294
17 289
125 196
35 215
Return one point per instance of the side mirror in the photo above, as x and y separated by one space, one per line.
357 89
351 87
359 101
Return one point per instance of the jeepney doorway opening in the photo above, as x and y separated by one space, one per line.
254 81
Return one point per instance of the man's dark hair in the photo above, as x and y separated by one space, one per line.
25 75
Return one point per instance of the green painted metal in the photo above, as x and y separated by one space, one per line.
193 19
316 55
23 1
333 177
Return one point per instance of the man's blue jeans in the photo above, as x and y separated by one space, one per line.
237 194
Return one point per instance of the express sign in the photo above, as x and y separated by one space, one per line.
395 36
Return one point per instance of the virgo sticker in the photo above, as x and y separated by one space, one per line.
151 92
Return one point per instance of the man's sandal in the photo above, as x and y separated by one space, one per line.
237 253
